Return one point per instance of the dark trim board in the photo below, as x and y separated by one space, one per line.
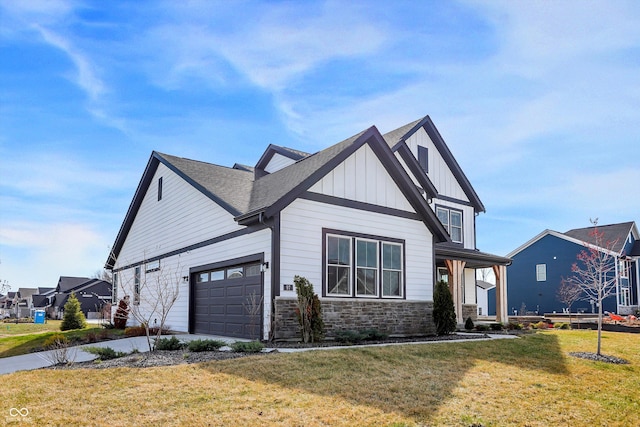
453 200
368 207
228 236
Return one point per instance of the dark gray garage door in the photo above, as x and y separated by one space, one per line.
228 301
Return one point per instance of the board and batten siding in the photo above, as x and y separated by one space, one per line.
277 162
183 217
362 177
439 172
301 243
468 220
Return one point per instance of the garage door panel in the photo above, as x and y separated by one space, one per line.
220 306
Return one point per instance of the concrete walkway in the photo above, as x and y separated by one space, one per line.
44 358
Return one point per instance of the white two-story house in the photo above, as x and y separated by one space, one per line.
373 222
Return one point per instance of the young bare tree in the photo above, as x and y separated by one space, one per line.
595 271
153 294
568 293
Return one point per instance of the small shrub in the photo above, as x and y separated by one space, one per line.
373 335
561 325
55 340
308 310
59 352
540 325
205 345
104 353
348 336
468 324
482 328
247 347
444 313
169 344
91 337
515 326
135 331
496 326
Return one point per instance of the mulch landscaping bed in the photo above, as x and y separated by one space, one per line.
180 357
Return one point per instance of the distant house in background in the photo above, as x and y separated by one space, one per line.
540 264
42 300
6 304
93 295
482 296
23 301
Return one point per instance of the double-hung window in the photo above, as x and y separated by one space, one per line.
338 266
363 266
452 221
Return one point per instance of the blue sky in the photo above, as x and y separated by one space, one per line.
539 101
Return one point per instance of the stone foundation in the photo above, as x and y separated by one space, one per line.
469 310
394 317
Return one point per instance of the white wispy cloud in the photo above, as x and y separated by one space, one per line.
85 75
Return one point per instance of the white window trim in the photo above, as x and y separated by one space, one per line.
350 266
541 272
448 225
376 269
401 270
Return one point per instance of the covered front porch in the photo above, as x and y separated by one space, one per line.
457 266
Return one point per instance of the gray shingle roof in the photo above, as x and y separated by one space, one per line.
243 195
65 283
395 136
270 188
612 232
227 186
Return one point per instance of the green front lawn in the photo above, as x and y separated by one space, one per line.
23 338
531 381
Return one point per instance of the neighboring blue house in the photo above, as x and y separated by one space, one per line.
540 264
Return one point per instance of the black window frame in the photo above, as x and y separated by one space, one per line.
353 267
423 158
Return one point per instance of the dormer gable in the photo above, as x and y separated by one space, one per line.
275 158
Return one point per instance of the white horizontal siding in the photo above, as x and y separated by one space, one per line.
176 267
277 162
301 243
439 173
362 177
183 217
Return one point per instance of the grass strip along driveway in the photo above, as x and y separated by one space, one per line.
531 381
23 338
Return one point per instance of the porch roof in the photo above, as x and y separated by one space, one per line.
472 257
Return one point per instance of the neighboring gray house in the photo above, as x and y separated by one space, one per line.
23 302
373 222
93 295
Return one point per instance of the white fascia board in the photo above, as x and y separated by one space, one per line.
559 236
